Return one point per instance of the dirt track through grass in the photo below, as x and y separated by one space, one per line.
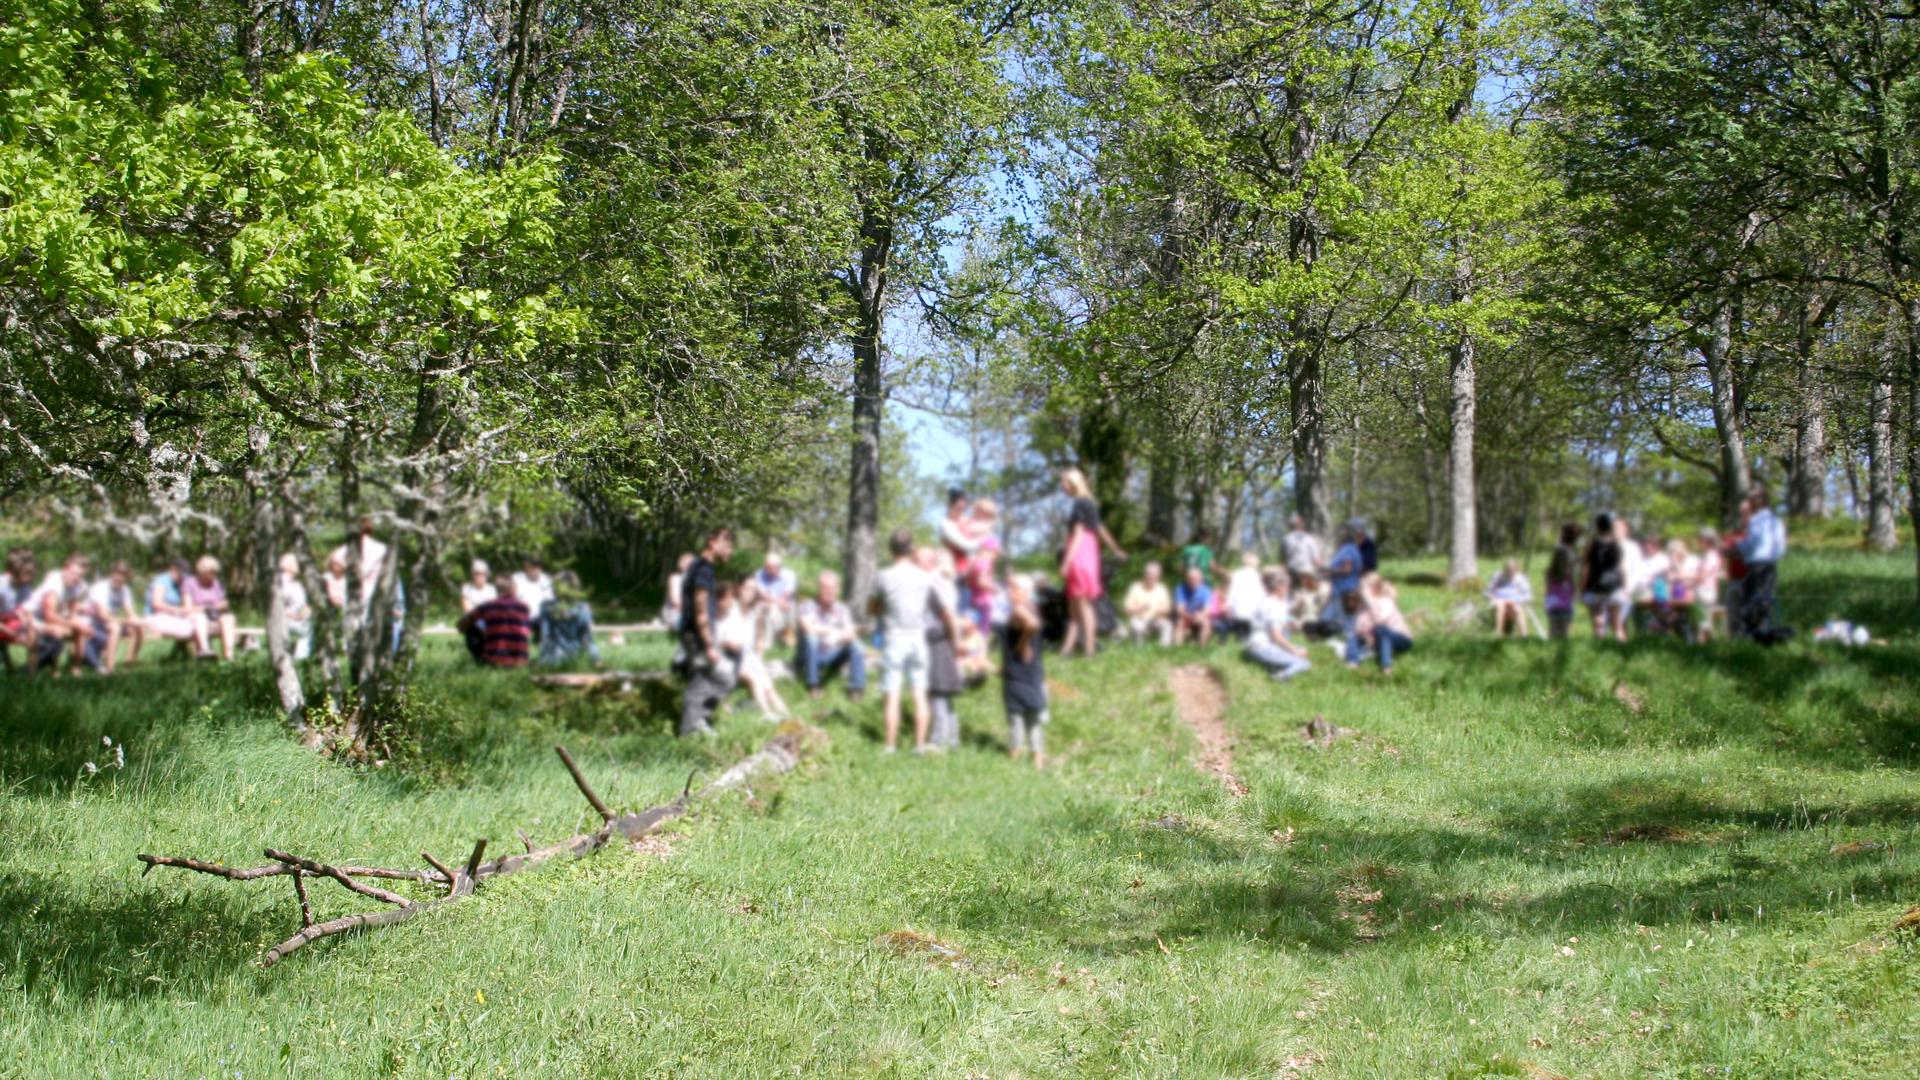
1200 700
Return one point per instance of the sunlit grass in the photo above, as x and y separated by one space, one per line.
1510 865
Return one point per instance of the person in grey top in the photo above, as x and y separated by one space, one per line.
829 640
902 601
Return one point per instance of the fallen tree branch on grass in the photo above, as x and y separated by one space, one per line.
779 754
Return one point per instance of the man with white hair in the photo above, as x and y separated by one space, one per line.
778 592
830 640
479 587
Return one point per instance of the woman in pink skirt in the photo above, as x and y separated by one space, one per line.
1080 566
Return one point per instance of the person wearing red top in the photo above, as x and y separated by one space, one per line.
500 631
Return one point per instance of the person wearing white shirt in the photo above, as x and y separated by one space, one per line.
534 586
778 591
1246 592
1762 545
295 607
1271 645
479 587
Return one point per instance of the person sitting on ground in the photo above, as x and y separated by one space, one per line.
1023 674
499 633
16 614
901 602
63 615
295 610
1148 607
1193 609
1271 645
778 590
1302 552
1561 572
1709 570
116 614
709 678
829 640
569 621
209 597
744 634
170 615
1309 600
1378 625
479 587
1602 579
1510 593
670 609
944 679
1198 555
1245 595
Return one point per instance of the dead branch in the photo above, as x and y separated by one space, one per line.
779 754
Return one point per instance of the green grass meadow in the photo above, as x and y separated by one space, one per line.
1581 860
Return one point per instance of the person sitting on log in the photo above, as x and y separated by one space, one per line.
16 616
499 632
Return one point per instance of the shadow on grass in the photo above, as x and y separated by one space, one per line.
127 941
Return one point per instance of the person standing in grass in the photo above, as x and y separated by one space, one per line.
1763 543
1378 625
1561 570
1343 574
903 601
1198 556
708 677
1709 570
1080 567
1301 550
1023 675
1271 645
1603 578
944 681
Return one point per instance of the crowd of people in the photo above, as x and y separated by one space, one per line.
1655 584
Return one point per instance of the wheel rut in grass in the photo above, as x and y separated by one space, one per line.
1200 701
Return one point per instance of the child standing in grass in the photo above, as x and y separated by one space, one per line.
1023 674
1560 581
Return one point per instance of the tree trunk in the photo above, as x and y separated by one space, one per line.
1429 469
1913 417
1307 401
1736 474
1881 532
868 285
1163 500
1807 483
1463 556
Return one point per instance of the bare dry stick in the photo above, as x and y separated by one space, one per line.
780 754
237 873
586 789
340 876
300 891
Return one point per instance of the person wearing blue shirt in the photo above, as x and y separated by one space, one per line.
1343 574
1193 608
1762 546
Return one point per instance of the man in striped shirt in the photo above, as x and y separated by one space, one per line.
498 631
